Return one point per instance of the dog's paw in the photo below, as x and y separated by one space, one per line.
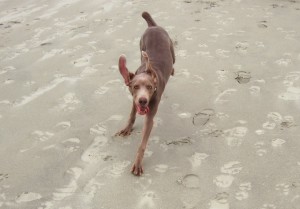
137 169
124 132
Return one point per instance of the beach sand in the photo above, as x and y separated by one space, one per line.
226 135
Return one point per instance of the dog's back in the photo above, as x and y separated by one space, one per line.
159 47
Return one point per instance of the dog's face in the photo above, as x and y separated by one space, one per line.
141 86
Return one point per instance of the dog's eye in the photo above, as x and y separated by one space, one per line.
136 87
149 87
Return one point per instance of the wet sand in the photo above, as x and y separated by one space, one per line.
227 131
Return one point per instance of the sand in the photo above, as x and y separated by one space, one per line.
227 131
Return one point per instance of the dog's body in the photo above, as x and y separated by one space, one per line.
149 81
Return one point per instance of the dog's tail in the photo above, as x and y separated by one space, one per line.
148 19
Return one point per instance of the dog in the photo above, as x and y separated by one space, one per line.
148 83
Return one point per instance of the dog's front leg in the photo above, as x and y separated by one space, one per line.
127 130
137 168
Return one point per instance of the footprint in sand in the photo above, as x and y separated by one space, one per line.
89 70
283 62
291 82
62 125
180 141
70 187
68 102
242 47
291 94
260 148
29 83
191 181
222 116
104 89
184 115
269 125
42 135
283 188
202 118
181 53
228 170
222 75
254 90
235 136
220 201
278 142
260 132
275 116
95 151
204 54
223 181
113 29
187 35
222 53
242 77
161 168
72 140
147 200
197 158
83 61
184 72
231 168
98 129
262 24
276 119
3 176
117 169
287 122
243 192
28 197
8 81
291 78
69 145
6 69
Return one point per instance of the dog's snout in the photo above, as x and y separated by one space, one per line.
143 101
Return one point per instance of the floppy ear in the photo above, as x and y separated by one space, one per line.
128 76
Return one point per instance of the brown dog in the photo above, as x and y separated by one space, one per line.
148 82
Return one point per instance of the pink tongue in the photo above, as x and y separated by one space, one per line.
142 110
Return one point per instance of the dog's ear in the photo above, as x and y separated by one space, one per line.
146 57
149 69
128 76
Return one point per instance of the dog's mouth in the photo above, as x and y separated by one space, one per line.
142 110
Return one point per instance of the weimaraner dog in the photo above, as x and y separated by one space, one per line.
148 82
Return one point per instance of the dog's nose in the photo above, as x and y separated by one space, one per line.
143 101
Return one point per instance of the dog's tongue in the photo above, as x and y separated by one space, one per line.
142 110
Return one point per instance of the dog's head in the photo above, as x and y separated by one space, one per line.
142 86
